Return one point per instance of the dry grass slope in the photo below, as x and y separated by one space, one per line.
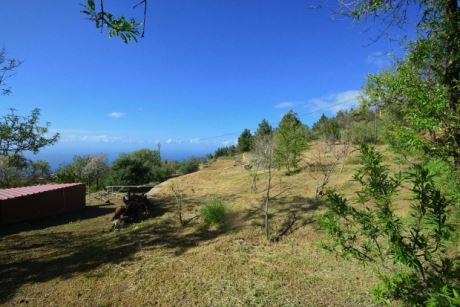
76 260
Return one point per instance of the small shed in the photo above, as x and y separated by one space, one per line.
33 202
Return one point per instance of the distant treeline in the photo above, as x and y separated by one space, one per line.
140 167
360 126
143 166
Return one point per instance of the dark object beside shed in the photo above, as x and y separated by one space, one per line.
29 203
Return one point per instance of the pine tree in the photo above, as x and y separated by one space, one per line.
245 141
264 129
291 140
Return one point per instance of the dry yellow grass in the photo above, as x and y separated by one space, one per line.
76 260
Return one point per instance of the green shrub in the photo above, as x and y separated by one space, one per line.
445 177
362 132
227 151
190 166
214 213
413 253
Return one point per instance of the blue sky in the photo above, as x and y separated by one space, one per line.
205 70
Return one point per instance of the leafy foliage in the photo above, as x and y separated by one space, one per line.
23 133
92 170
428 123
359 126
73 172
19 171
128 30
139 167
7 70
39 171
245 141
362 132
422 89
96 169
327 128
226 151
214 213
11 169
264 129
291 140
413 252
190 166
18 135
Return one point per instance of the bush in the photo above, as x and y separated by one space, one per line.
189 166
214 213
225 152
129 170
445 177
140 167
362 132
412 252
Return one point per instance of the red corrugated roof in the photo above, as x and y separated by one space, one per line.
24 191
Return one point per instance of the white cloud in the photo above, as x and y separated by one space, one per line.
335 102
96 138
173 141
195 141
379 59
285 105
88 138
116 114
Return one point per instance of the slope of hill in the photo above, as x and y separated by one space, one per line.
77 260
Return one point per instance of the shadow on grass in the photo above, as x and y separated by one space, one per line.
296 212
88 212
35 257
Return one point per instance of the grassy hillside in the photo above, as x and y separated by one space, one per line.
77 260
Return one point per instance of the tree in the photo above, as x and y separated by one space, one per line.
19 171
291 141
75 171
245 141
10 170
328 128
321 125
189 166
227 151
96 169
39 171
413 252
7 70
264 150
424 87
140 167
179 197
150 157
264 129
326 158
253 168
19 135
128 170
